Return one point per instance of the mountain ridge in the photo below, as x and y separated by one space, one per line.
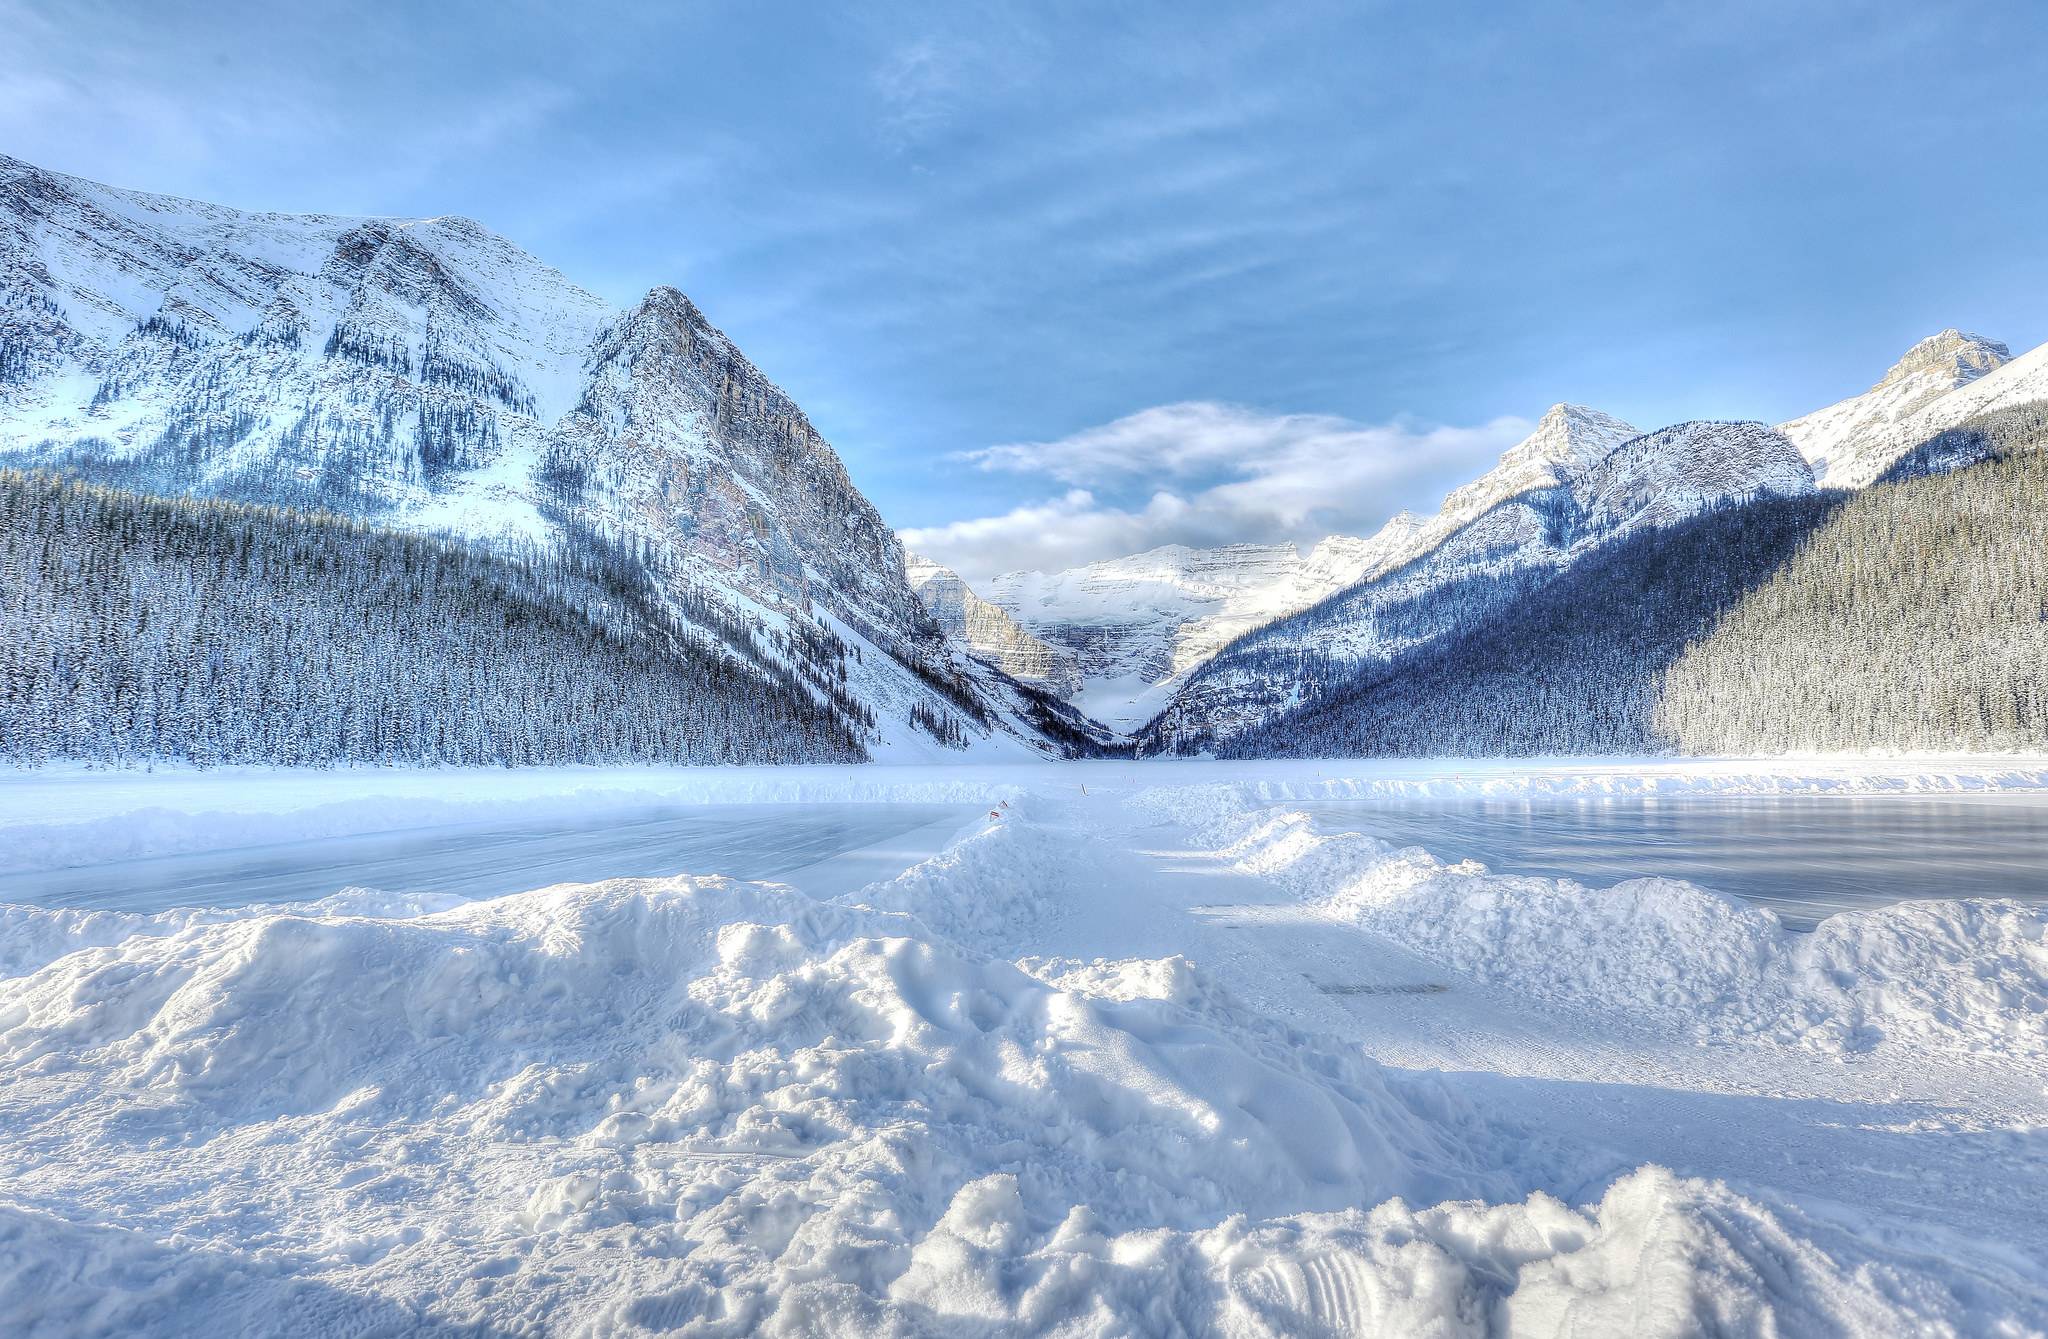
1651 479
429 375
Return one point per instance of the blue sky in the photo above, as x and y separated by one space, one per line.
1228 272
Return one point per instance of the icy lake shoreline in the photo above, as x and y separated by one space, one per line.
1151 1051
58 816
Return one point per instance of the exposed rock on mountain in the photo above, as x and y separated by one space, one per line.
989 632
1851 443
428 375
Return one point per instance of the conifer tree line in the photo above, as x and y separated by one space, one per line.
198 630
1916 618
1911 615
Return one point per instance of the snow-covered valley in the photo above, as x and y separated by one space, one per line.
1151 1050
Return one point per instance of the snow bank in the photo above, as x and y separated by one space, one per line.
1000 888
32 937
1659 1256
1956 974
773 1098
717 1107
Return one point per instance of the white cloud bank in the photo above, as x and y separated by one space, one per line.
1203 473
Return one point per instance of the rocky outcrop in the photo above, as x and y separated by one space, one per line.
989 632
1851 443
426 374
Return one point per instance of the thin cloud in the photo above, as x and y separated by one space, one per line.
1203 473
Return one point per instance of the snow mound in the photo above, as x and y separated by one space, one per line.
1954 974
1659 1255
714 1107
686 1097
999 888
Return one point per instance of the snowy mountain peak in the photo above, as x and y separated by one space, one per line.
1950 355
1570 437
1851 443
1477 552
1568 440
428 375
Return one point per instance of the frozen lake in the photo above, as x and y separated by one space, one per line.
1804 857
823 849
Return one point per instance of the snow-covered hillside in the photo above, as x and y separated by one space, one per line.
427 374
1580 482
1851 443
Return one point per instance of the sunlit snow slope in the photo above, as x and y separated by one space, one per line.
427 374
1582 481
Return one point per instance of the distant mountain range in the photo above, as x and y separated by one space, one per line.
1192 649
425 375
475 514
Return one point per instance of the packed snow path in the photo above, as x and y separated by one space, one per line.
1148 1052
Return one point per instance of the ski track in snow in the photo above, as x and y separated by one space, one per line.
1150 1053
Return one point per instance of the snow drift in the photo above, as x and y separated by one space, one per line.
770 1097
701 1106
1959 974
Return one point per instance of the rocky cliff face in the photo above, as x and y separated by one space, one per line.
1137 625
427 374
989 632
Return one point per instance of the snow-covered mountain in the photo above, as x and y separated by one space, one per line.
1567 490
1140 625
1135 625
427 374
1582 481
1569 440
989 632
1851 443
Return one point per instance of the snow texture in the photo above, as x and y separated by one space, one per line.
1940 973
987 1096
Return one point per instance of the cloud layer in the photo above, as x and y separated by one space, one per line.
1203 473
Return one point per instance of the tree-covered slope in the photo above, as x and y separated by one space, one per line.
139 627
1909 615
1916 618
1567 665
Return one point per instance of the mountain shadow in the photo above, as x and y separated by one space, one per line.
1571 665
1912 614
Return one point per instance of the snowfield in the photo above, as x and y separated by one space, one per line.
1150 1053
